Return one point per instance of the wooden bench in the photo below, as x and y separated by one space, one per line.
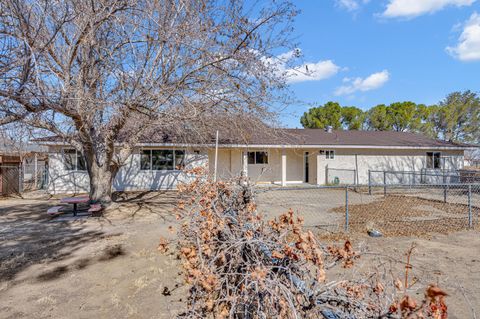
55 210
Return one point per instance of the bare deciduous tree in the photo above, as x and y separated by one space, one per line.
14 139
101 74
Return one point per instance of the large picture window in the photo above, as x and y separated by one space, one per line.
434 160
74 160
258 157
160 160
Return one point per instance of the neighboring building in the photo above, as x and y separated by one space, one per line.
286 156
472 158
33 162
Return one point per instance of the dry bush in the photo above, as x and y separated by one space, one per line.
239 265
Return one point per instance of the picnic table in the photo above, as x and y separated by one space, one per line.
75 201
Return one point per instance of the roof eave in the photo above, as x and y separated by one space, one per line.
286 146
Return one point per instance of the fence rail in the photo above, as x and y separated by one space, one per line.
432 177
393 209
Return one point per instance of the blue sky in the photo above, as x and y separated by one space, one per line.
368 52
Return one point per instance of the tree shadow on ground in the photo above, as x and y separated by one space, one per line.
108 253
28 237
142 196
160 203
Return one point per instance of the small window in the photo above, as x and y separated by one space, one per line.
434 160
329 154
259 157
160 160
74 160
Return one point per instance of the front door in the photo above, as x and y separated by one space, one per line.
305 165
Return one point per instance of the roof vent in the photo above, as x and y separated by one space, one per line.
329 129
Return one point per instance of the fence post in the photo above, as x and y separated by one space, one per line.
369 182
444 187
470 220
326 175
346 209
21 171
384 183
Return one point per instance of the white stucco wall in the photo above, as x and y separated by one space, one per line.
342 165
129 177
230 163
382 160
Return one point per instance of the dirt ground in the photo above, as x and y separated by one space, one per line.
109 267
404 212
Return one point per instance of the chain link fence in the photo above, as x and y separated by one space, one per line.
16 179
393 210
424 176
34 178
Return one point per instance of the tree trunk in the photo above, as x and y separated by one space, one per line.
102 174
101 181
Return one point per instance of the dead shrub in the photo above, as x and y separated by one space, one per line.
239 265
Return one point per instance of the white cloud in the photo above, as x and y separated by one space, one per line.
413 8
468 46
320 70
351 5
372 82
309 71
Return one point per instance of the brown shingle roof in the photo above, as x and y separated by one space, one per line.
351 138
307 137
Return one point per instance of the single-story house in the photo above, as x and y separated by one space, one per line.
283 157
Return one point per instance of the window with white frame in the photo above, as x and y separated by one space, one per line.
329 154
258 157
74 160
434 160
160 160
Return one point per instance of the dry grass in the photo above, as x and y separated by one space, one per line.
398 215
